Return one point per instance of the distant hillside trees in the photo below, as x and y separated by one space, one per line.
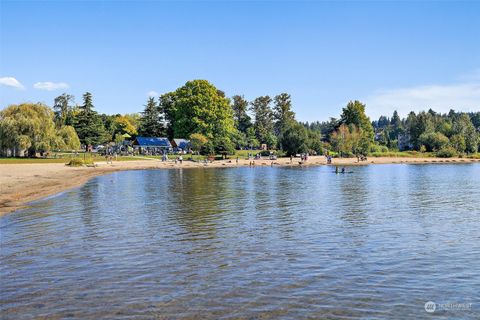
430 131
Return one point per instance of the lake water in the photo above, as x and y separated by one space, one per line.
255 243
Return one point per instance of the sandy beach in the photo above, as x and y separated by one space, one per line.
23 183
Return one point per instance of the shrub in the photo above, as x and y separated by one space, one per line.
78 162
446 152
433 141
375 148
75 162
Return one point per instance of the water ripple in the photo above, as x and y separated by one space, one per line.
267 243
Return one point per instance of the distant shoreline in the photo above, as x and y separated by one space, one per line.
24 183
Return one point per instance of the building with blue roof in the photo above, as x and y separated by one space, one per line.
180 145
152 144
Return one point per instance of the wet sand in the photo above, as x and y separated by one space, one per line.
23 183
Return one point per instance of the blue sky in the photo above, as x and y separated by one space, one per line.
391 55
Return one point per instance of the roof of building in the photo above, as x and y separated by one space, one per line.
181 143
152 142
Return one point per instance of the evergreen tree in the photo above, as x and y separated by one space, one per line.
396 122
88 124
166 104
240 116
382 122
152 123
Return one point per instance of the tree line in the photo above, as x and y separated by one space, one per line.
447 134
217 124
450 134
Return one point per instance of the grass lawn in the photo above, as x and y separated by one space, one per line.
32 160
61 159
402 154
416 154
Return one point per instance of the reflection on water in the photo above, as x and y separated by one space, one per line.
248 243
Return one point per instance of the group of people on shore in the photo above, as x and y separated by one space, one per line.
303 157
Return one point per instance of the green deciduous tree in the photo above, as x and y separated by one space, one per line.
62 108
433 141
458 142
122 125
350 140
295 139
282 113
197 142
199 107
354 114
462 125
68 138
252 141
264 118
27 127
315 142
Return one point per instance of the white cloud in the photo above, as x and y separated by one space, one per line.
50 86
153 94
11 82
462 96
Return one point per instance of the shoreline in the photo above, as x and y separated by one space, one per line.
21 184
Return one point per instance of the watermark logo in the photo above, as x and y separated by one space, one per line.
430 306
